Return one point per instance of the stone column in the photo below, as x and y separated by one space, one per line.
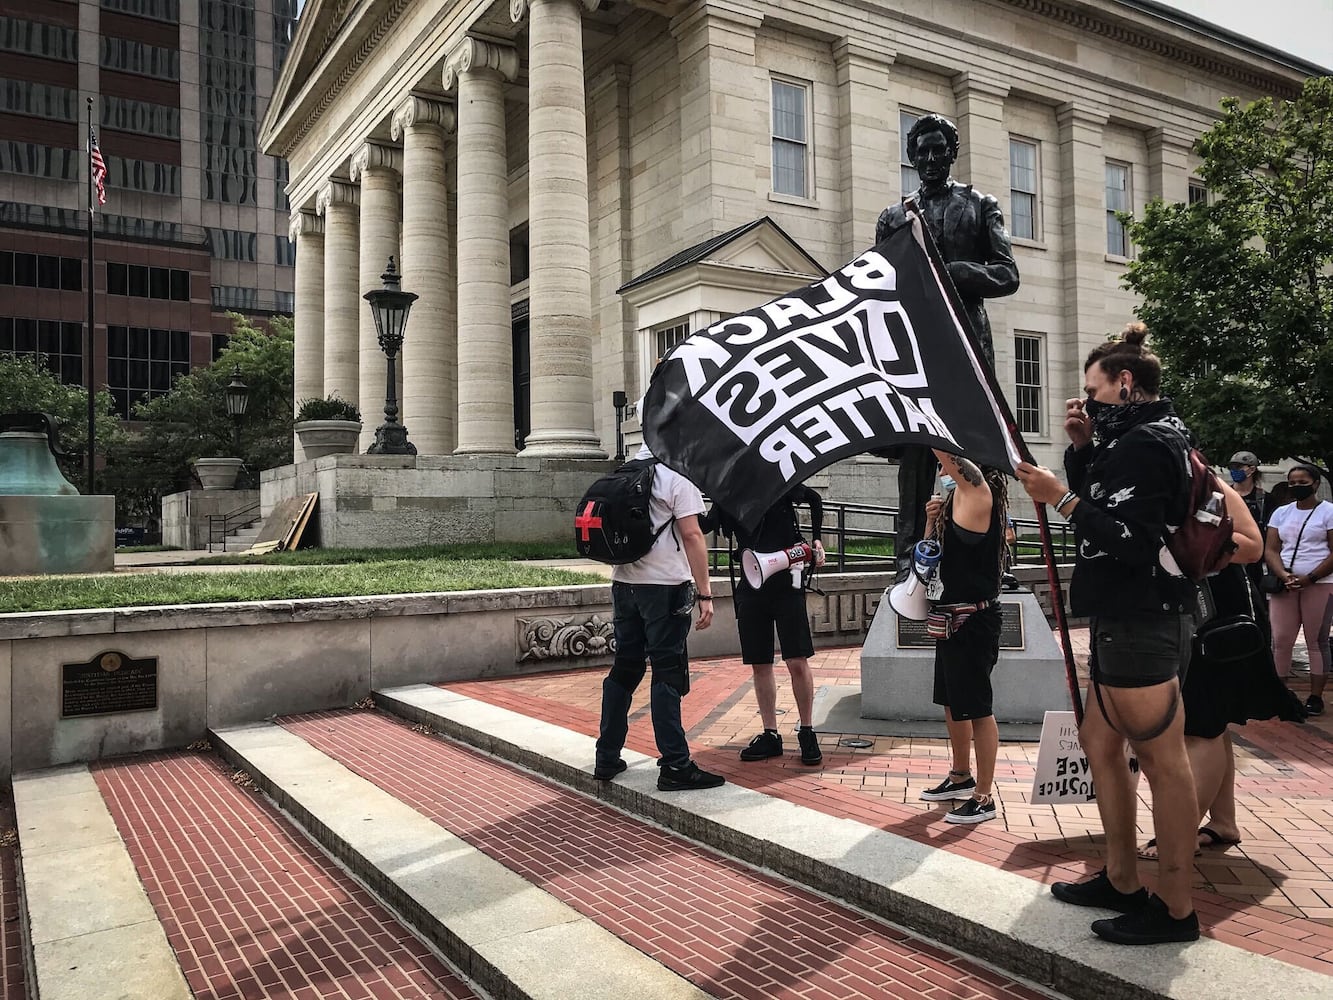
485 344
307 232
1082 236
561 280
337 202
867 140
1168 165
430 349
724 117
983 157
377 168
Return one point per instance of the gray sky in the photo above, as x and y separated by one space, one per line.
1303 28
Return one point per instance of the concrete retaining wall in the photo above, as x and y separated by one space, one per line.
185 514
223 664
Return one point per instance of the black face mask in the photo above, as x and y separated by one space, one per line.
1109 420
1302 492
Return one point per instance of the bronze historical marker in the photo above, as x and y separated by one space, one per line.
109 682
912 634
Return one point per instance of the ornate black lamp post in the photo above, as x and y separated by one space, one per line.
238 398
619 400
390 306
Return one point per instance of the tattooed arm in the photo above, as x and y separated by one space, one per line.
972 501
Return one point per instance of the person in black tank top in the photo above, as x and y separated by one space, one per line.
965 620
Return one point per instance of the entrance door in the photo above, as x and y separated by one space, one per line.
522 374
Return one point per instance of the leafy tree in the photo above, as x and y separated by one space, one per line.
27 384
190 421
1238 291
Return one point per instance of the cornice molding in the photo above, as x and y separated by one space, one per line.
1070 113
418 110
304 223
375 156
476 55
337 192
1143 40
1161 138
849 50
518 9
708 12
969 83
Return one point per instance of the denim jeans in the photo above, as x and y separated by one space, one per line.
652 622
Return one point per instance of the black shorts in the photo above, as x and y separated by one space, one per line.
963 665
758 612
1140 651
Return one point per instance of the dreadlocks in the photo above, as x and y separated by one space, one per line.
999 491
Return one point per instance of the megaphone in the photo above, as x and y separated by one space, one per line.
759 566
909 598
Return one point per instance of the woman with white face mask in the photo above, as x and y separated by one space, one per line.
1300 553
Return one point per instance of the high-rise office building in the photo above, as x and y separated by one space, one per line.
195 221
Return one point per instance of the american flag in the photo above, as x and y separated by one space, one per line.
98 165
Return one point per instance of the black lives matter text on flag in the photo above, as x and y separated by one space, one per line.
872 356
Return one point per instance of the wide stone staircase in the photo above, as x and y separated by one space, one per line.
434 845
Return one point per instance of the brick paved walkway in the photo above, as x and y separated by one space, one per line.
11 948
731 931
1273 894
250 907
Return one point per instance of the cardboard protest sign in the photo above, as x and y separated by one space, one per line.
1063 773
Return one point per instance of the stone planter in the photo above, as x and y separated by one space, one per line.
217 473
328 437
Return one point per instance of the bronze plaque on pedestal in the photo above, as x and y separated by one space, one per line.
912 634
109 682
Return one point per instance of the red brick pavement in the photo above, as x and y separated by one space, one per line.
1271 895
250 907
11 948
731 931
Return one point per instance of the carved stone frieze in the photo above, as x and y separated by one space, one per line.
565 638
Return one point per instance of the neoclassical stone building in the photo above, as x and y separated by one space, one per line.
572 185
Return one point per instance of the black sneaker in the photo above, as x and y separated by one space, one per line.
809 740
766 744
1314 705
948 789
605 772
1151 923
681 779
1099 892
974 810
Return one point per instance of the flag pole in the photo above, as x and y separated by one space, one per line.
88 339
1016 436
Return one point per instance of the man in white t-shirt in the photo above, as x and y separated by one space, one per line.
652 601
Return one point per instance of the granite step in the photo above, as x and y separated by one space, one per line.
996 915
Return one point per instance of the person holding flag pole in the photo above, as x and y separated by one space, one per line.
96 196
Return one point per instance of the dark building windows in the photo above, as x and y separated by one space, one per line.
157 10
143 175
143 363
144 282
142 117
284 251
228 99
34 160
233 297
140 58
230 244
518 254
58 345
50 41
41 100
32 270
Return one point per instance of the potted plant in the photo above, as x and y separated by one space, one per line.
328 426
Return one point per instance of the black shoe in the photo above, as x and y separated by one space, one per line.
1151 923
809 740
681 779
974 810
949 789
766 744
605 772
1314 705
1099 892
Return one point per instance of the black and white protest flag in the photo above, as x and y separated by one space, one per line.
877 354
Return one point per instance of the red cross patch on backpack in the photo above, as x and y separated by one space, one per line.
612 523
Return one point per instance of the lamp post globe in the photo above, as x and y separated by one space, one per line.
237 396
389 307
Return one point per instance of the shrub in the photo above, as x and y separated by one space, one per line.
328 408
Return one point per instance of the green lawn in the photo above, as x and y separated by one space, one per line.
364 578
337 557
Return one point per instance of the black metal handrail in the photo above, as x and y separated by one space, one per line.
241 517
840 530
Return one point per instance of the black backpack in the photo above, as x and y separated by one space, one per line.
611 522
1201 544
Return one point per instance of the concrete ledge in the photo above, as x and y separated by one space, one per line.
504 933
996 916
89 924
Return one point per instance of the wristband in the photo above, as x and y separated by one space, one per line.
703 597
1071 495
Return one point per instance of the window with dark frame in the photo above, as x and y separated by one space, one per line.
1027 383
1117 200
1198 192
57 345
1023 189
143 363
908 177
791 138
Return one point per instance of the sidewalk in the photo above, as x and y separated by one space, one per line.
1272 894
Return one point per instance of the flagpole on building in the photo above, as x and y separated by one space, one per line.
88 339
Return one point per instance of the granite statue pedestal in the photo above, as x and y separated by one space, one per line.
898 666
